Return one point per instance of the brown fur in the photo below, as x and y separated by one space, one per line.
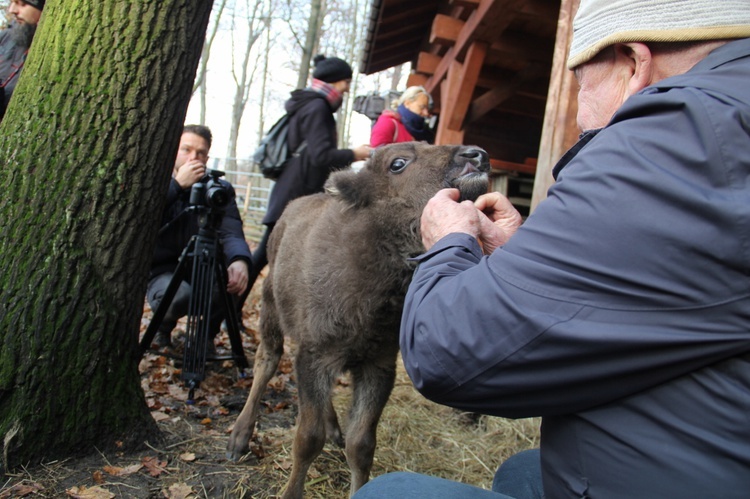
338 275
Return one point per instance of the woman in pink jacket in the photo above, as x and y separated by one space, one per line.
406 122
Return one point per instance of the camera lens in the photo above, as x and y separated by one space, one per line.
217 197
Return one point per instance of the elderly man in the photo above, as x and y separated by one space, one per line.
14 45
620 310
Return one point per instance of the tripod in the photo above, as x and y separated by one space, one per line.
208 269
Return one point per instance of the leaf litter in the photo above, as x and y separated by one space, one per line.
414 434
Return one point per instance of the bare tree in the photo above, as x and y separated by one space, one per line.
312 40
200 80
255 21
88 144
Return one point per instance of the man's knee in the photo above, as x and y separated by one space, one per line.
520 476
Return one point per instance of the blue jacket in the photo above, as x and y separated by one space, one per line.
620 310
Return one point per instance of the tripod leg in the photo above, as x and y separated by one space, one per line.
166 301
231 318
197 334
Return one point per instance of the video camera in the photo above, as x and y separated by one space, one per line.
210 192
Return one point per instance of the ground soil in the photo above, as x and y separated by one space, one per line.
190 461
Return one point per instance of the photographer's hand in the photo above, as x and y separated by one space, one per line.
189 173
237 274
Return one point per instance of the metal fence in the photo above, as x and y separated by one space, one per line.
252 190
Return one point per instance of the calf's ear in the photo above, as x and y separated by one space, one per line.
355 189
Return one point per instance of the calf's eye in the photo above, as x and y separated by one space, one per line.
398 165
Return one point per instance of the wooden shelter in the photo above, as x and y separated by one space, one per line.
496 71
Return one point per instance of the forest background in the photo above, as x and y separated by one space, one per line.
258 51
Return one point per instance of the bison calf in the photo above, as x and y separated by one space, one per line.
339 271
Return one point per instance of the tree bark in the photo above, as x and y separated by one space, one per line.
88 145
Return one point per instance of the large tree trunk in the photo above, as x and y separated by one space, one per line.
88 144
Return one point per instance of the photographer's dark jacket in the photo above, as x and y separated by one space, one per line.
620 310
306 174
171 243
12 59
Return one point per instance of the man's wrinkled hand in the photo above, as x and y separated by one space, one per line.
443 215
498 220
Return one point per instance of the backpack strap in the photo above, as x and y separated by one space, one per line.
395 132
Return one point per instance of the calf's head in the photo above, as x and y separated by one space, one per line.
410 173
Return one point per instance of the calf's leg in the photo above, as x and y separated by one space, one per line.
266 360
314 391
372 386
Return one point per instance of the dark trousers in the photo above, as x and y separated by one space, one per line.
260 260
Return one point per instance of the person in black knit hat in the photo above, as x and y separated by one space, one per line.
312 120
14 45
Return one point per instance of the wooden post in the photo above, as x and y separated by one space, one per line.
559 131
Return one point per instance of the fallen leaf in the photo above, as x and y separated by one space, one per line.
187 456
21 490
154 466
179 491
126 471
159 416
89 493
98 477
206 421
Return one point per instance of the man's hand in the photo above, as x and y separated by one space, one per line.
237 274
443 215
189 173
498 220
491 219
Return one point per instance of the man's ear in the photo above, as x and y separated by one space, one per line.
637 56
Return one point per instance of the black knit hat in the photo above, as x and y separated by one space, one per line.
331 69
38 4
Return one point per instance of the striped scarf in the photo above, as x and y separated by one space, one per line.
333 96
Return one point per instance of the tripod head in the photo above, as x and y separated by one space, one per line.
210 198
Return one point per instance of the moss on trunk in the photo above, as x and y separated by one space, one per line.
87 144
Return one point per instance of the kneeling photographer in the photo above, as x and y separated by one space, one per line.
179 224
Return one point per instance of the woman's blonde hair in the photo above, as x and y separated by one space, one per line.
410 94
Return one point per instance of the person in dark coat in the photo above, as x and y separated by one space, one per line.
14 45
180 226
311 120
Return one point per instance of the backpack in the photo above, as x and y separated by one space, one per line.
272 153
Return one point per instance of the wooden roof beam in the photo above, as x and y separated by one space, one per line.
445 29
468 74
471 4
498 14
427 63
493 98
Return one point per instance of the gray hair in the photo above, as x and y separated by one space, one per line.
410 94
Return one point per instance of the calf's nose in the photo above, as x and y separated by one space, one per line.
477 157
